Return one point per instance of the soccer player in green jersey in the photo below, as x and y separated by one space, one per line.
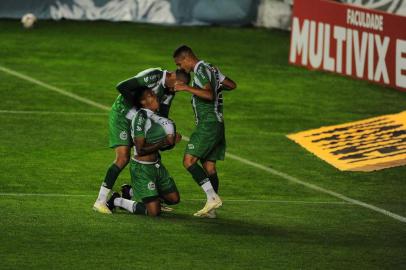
150 179
161 82
207 143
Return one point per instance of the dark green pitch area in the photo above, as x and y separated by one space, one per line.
52 163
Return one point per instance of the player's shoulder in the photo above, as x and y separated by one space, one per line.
201 65
167 124
202 69
151 75
140 116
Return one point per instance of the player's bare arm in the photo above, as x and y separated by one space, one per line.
149 150
228 84
206 92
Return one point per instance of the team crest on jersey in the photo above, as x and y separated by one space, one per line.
151 186
123 135
191 146
140 120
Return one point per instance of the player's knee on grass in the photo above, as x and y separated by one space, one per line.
153 208
171 198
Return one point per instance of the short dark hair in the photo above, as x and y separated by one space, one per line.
182 50
138 94
181 74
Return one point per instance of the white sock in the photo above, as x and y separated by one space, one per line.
124 203
103 193
208 189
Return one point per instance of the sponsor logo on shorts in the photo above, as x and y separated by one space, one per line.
191 146
151 186
123 135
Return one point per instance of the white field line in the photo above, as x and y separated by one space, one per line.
197 200
240 159
53 88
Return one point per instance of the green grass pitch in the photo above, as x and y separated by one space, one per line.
266 222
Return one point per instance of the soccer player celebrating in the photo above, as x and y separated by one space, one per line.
123 110
207 143
150 179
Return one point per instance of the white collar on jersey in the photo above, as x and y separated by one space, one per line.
198 63
164 78
148 111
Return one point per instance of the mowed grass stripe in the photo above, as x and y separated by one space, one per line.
50 112
193 200
242 160
53 88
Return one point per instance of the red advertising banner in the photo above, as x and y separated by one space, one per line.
353 41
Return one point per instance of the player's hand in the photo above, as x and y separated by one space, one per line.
178 138
180 86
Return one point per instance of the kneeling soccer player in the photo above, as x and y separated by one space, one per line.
150 179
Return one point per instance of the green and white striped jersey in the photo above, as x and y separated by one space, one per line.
206 110
153 78
154 128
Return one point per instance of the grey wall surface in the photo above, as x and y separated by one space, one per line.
261 13
223 12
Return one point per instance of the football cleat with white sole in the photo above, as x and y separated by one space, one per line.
126 191
165 208
211 214
101 208
110 203
214 203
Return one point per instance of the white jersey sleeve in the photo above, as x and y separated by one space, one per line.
166 123
221 76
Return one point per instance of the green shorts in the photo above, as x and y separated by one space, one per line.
119 130
208 142
149 181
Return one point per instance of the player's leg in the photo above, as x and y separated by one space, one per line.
217 153
120 140
167 186
199 145
127 193
171 198
149 207
129 205
199 175
153 207
122 158
143 178
201 178
210 167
